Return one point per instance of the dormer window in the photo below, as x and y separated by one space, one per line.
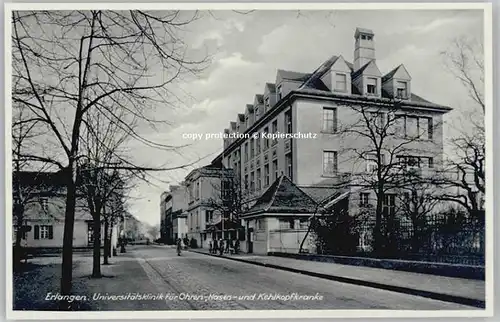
279 92
371 86
266 103
402 90
340 82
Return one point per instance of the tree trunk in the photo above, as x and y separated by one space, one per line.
69 223
96 267
107 242
377 233
19 224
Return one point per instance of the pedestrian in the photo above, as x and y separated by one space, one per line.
179 246
237 246
221 247
227 245
210 247
214 250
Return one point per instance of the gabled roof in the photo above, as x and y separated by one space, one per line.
241 117
360 71
294 76
259 98
271 87
249 108
390 74
283 196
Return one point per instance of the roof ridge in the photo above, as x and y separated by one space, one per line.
273 197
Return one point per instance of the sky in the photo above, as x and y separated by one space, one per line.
246 51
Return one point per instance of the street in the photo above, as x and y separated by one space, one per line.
196 274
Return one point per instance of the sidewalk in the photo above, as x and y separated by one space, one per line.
449 289
124 275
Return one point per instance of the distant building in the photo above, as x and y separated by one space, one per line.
173 208
204 186
43 195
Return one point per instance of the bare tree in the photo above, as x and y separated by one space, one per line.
464 177
26 185
230 199
416 204
67 63
384 151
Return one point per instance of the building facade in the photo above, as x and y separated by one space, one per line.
204 191
321 122
43 200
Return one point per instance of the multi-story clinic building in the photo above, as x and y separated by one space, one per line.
321 102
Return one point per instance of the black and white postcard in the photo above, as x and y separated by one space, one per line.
248 160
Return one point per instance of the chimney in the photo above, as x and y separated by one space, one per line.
364 48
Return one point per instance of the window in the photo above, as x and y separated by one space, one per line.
266 175
417 127
252 181
389 205
371 86
247 122
329 120
252 148
197 190
257 144
275 170
411 127
226 188
399 126
286 223
279 92
44 232
266 104
288 163
229 164
377 118
329 162
364 199
288 121
246 151
274 127
259 180
209 215
340 82
256 113
246 181
402 90
266 140
425 128
372 162
191 193
430 162
45 204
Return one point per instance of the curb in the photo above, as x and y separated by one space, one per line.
400 289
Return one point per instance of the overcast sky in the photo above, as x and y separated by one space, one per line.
248 49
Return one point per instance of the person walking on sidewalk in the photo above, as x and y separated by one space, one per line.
215 248
179 247
210 247
221 247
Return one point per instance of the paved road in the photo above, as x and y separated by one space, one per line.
199 276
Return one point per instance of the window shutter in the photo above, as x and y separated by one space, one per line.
51 232
37 232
